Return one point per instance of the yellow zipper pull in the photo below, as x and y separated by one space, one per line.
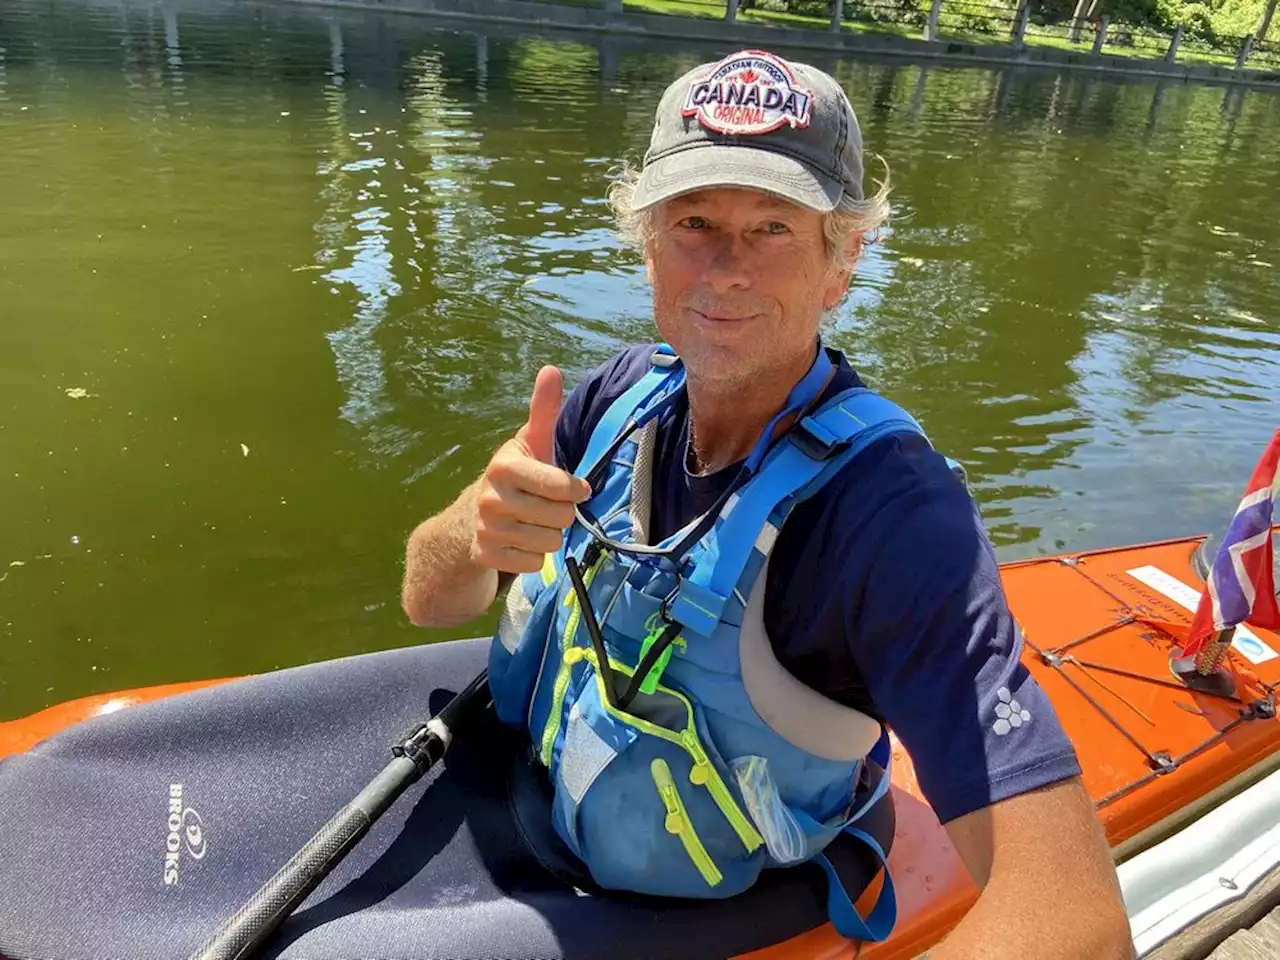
700 772
678 824
674 822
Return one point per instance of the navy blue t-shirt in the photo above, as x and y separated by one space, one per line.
883 594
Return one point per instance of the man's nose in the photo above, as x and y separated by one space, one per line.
728 264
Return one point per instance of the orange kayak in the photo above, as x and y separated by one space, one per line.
1157 757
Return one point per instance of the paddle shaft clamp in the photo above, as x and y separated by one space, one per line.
427 743
249 927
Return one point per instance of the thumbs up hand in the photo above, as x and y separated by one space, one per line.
524 501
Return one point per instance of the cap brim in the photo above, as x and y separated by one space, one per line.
724 165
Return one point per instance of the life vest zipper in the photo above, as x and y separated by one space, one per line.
561 686
677 822
703 773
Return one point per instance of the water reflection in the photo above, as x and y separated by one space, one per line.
336 71
306 262
1040 217
1076 293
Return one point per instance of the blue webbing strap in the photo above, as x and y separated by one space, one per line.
702 595
840 910
663 376
870 406
861 408
808 389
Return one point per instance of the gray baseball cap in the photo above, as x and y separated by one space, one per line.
754 120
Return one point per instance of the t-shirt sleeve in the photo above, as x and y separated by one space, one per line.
939 651
587 401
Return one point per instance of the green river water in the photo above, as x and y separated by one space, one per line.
274 282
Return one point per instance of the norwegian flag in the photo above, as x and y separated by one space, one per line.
1240 585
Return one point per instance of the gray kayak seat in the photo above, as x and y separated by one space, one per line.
135 834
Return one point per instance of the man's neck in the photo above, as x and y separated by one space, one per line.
726 418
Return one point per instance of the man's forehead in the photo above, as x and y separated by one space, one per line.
744 196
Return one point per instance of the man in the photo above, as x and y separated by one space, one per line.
880 590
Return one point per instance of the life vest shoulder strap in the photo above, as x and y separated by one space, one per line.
821 435
642 400
857 415
812 452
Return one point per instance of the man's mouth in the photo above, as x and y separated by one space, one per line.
721 317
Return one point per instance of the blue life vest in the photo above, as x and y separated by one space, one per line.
692 760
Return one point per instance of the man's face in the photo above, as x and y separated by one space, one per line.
740 280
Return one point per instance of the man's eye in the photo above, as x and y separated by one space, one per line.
694 223
774 226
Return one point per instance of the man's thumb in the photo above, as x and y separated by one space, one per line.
544 407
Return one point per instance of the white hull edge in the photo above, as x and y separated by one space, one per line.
1205 866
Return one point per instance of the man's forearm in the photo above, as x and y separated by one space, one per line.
442 585
1049 887
1005 924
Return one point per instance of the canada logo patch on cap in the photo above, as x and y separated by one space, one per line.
749 92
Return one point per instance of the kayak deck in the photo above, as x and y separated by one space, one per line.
1154 753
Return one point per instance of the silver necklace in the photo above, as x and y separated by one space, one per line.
692 461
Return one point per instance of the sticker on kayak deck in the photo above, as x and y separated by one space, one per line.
1246 641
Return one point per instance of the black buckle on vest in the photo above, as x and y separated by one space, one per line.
815 441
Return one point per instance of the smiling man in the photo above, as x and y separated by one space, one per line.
735 567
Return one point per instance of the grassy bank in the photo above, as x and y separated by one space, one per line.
1189 52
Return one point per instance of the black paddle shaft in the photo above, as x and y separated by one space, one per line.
246 929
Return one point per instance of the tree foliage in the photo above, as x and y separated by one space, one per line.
1209 19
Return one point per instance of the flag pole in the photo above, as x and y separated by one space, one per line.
1204 671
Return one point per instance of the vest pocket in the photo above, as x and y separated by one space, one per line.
641 800
570 655
518 648
668 715
584 755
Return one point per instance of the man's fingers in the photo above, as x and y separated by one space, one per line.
495 537
550 483
528 537
507 559
530 508
526 502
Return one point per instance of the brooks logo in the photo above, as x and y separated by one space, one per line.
185 829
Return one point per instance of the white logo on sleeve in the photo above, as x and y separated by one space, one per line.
1009 713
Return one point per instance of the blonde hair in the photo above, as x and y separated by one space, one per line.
862 217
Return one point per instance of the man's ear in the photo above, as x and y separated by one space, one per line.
842 278
853 249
